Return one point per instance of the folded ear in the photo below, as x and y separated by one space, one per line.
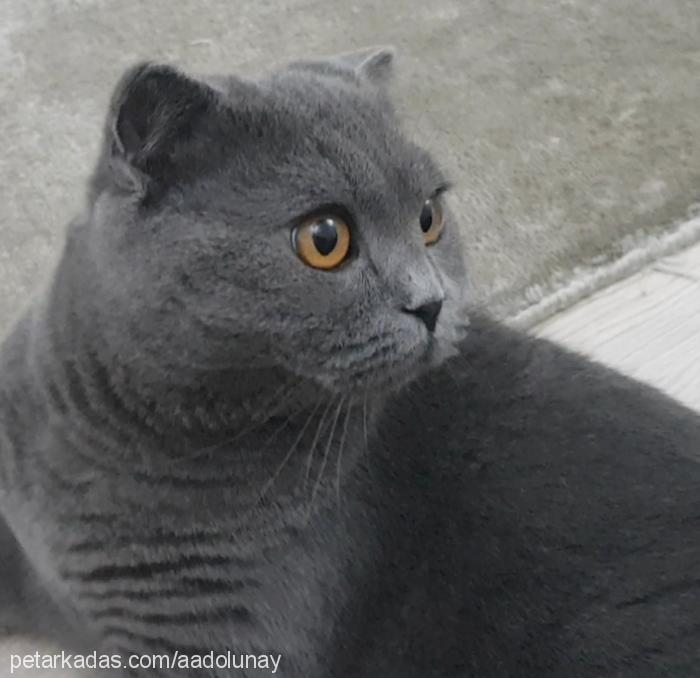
155 111
373 64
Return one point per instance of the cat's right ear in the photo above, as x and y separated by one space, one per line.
154 113
372 64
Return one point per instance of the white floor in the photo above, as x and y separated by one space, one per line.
647 326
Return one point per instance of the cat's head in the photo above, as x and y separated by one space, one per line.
284 222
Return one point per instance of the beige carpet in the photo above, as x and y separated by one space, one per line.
571 127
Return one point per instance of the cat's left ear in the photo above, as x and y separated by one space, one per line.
157 115
373 64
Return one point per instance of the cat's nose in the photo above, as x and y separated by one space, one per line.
428 313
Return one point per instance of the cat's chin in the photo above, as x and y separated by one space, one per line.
380 369
376 384
377 379
388 378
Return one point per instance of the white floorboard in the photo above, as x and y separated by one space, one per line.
647 326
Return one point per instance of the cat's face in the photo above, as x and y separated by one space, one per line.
285 223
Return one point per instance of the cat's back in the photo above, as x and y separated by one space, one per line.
538 516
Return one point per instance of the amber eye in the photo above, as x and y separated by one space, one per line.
432 221
322 242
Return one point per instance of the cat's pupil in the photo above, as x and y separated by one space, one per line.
325 236
426 217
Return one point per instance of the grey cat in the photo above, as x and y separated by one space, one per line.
245 417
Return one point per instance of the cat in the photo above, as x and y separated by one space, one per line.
254 412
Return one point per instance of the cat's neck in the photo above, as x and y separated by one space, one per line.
76 352
281 443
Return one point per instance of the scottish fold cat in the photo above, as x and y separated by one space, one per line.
253 414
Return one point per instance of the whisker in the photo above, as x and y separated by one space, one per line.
312 449
364 420
289 454
276 432
324 461
339 463
252 426
365 430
